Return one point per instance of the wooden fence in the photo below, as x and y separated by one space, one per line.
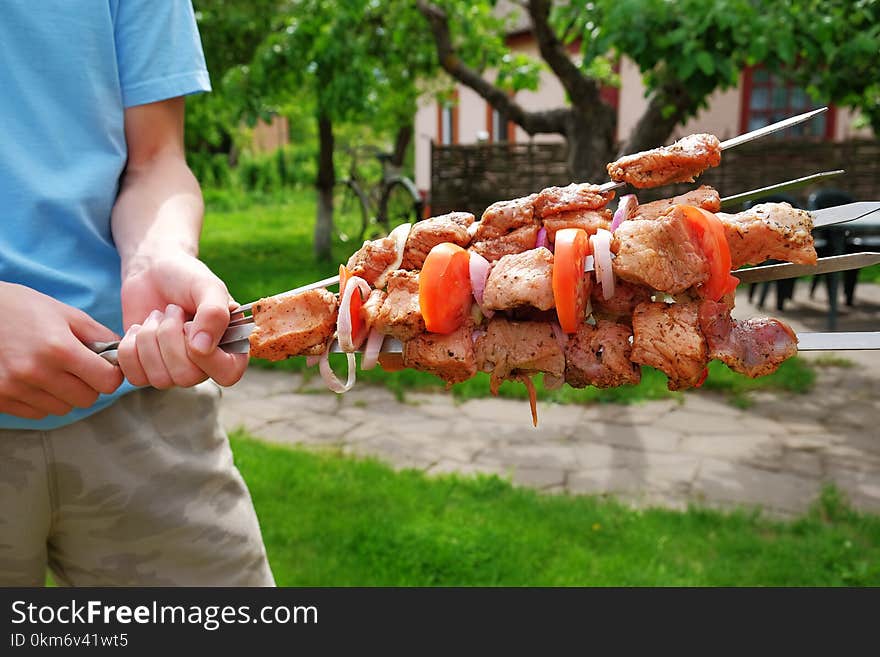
473 177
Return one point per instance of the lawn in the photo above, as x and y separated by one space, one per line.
263 248
330 520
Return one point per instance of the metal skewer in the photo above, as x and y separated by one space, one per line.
748 136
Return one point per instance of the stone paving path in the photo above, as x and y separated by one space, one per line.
776 454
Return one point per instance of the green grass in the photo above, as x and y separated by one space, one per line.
265 248
329 520
870 274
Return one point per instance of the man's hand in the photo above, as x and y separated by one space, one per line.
45 369
161 348
156 224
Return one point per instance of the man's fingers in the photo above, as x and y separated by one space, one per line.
150 355
226 369
172 345
211 318
40 400
128 359
18 409
93 370
71 390
87 329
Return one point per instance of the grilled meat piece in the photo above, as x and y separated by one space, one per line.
659 253
668 337
372 306
451 357
600 356
770 231
620 307
517 241
427 234
504 217
521 279
588 220
572 198
681 162
754 347
703 197
372 259
293 326
510 349
400 315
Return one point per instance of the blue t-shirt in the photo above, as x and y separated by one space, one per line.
68 70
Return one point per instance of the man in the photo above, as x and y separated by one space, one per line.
110 481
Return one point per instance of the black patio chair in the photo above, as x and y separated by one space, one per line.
827 198
784 288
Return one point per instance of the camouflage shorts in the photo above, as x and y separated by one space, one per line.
144 493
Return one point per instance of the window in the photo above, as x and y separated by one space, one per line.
447 122
767 99
500 129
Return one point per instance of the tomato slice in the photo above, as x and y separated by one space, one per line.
710 233
571 289
445 292
358 322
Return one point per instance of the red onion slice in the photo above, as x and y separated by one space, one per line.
330 378
601 244
311 361
343 321
372 349
626 208
479 269
541 239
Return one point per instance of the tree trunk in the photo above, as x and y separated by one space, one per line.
401 144
325 183
590 145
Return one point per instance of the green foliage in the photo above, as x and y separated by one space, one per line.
329 520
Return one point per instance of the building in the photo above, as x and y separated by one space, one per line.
759 99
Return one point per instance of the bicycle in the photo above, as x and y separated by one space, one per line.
367 212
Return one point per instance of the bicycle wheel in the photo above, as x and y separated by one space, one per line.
401 203
350 213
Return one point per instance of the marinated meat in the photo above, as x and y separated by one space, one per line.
668 337
588 220
703 197
427 234
770 231
572 198
517 241
755 347
504 217
372 259
451 357
511 349
400 315
521 279
600 356
293 326
372 306
659 253
620 306
681 162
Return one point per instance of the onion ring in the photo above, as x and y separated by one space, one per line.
541 239
344 327
479 270
372 349
330 378
601 244
399 235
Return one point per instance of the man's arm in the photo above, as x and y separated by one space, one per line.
156 224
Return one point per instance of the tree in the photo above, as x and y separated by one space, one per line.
352 61
230 31
685 50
